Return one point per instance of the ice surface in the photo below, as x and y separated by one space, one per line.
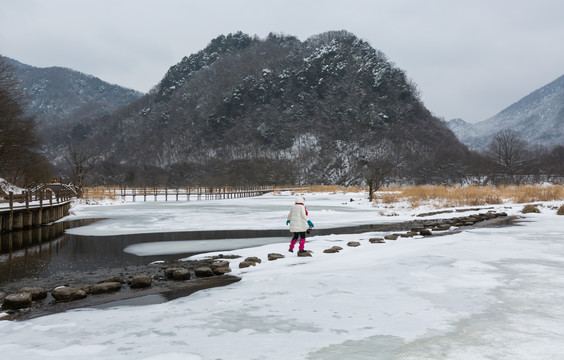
486 293
265 212
193 246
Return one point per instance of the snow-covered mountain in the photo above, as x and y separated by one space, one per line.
538 117
249 110
59 96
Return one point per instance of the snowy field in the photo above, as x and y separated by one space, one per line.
484 293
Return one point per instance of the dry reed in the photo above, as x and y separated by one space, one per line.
450 196
99 193
329 189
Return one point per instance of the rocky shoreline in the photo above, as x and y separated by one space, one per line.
31 298
164 281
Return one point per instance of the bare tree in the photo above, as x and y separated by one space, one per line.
81 159
377 174
378 168
509 152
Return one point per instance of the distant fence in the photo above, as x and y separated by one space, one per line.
177 194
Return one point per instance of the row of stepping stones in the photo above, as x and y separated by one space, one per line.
253 260
424 230
427 229
25 296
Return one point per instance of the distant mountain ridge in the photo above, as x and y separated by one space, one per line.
60 98
538 118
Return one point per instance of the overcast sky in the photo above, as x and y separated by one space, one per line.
469 59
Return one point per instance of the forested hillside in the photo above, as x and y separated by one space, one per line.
246 111
63 100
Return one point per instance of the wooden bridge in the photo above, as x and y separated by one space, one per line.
35 207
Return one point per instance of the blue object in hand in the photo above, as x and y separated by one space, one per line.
310 223
288 222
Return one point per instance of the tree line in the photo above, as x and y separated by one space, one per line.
21 161
507 160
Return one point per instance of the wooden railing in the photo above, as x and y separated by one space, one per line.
33 208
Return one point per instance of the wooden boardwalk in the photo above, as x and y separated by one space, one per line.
33 208
178 194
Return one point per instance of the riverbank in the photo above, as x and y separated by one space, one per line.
162 287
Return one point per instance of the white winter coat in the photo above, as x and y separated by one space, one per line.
297 216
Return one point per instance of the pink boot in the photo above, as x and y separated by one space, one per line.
292 244
302 244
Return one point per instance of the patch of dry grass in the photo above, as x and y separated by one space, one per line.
99 193
531 193
328 189
451 196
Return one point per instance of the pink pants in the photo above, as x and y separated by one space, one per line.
293 243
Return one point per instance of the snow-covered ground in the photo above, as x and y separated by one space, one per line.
484 293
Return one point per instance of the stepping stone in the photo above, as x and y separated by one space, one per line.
253 259
391 237
141 281
219 264
274 256
220 267
17 301
528 209
333 250
65 293
376 240
353 243
246 264
37 293
181 274
304 253
107 287
203 272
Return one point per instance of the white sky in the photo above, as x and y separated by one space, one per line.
470 59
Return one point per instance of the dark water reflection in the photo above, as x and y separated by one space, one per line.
47 251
